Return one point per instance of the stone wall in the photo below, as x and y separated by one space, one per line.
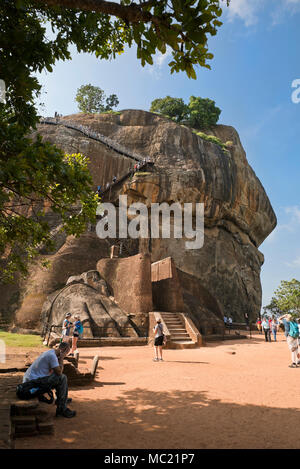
130 282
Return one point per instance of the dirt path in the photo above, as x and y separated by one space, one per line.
238 394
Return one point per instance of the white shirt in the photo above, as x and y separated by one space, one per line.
42 366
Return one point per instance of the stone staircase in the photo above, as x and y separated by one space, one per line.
180 331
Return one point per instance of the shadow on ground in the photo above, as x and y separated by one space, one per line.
179 419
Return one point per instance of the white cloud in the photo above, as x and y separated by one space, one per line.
249 11
294 211
159 60
245 10
291 226
295 263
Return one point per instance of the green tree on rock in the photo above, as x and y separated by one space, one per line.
200 113
174 108
92 99
203 113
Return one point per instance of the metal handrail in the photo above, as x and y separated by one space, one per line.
95 136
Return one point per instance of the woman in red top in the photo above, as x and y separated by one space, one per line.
258 325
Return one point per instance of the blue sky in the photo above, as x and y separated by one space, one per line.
256 59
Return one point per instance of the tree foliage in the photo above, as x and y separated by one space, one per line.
34 172
200 113
92 99
287 297
273 308
174 108
203 113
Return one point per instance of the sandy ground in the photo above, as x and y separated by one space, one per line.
239 394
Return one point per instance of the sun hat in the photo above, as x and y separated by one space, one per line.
68 315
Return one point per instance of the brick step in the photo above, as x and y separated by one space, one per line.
175 338
185 341
174 321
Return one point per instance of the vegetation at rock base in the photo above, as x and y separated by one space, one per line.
34 172
92 99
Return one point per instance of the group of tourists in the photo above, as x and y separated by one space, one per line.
291 326
267 326
71 331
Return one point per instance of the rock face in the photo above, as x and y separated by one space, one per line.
187 169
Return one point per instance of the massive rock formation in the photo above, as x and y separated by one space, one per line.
238 214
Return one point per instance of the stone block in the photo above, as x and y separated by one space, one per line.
46 428
18 420
25 429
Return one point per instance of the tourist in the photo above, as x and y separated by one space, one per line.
274 327
258 325
114 179
225 319
66 328
77 332
246 319
158 340
286 325
292 338
48 368
229 321
266 328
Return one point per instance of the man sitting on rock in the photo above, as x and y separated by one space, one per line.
48 367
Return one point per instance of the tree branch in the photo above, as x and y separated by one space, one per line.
131 13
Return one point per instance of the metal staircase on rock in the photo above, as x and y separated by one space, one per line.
179 336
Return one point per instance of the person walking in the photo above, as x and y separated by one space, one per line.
286 324
158 340
274 328
266 329
66 328
292 338
77 332
258 325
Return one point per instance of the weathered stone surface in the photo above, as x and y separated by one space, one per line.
130 281
238 214
74 257
88 296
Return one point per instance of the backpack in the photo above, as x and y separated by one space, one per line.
35 388
79 327
294 331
